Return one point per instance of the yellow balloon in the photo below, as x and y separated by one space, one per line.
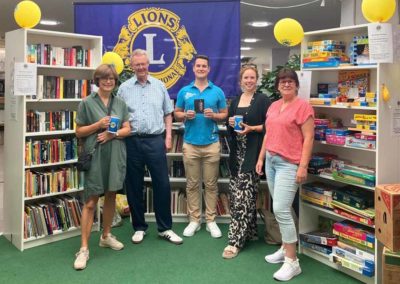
27 14
288 32
378 10
113 59
385 93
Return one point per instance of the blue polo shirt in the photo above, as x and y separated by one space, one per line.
201 130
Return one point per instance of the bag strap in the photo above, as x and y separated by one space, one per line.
108 114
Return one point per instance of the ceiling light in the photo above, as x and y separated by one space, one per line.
260 24
49 22
245 48
251 40
323 3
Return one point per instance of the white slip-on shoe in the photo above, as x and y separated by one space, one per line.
138 236
276 257
212 227
288 270
191 229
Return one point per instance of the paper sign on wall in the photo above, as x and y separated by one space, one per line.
380 40
25 75
305 84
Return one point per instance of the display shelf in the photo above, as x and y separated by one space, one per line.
345 67
56 236
343 146
325 260
384 158
69 162
345 107
362 130
53 100
326 177
69 191
331 214
49 133
61 67
17 122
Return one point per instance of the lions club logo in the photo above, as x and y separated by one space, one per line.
167 43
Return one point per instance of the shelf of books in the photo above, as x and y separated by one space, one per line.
354 151
178 181
42 198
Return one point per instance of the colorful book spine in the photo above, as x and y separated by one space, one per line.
319 248
354 231
356 245
352 257
367 213
315 201
352 265
353 198
353 239
320 238
356 251
359 219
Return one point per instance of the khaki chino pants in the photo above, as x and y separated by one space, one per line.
201 160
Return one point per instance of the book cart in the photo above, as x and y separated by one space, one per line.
382 158
42 184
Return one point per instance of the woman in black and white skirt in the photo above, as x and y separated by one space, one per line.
245 146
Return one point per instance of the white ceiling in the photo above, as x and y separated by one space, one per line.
311 16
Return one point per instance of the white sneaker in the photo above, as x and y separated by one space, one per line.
289 269
212 227
191 229
276 257
169 235
82 256
110 242
138 236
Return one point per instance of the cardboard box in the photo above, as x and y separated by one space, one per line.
390 267
387 215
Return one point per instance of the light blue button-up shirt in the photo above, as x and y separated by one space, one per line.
147 104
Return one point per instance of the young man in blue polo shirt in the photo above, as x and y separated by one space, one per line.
201 105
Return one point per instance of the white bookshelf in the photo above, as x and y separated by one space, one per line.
15 130
179 183
385 158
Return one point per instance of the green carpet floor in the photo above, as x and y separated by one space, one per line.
197 260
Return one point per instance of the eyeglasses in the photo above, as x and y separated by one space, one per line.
139 65
112 79
284 82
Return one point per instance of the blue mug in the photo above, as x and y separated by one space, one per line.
238 123
114 124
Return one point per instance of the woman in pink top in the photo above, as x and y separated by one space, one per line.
286 149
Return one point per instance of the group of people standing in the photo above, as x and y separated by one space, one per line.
279 134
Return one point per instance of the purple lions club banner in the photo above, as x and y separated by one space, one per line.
172 33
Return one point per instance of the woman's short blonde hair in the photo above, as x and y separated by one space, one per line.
105 71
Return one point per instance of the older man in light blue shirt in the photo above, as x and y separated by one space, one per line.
150 111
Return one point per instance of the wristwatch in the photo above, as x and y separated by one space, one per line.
116 134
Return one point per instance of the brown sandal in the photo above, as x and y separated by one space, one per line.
230 252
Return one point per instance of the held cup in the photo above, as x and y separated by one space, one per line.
114 124
238 123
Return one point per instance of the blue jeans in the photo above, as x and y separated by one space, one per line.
281 179
149 152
